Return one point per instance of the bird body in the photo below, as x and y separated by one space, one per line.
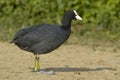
41 38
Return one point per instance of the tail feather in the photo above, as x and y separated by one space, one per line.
11 41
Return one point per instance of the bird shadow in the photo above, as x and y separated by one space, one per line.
68 69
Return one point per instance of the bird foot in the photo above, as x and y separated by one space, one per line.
35 70
50 72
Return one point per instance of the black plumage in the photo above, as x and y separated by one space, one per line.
44 38
41 39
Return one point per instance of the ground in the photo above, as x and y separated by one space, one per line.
70 62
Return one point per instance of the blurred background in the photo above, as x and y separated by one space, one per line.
100 25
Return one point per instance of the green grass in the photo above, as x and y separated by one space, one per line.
101 19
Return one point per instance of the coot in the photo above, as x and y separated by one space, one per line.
44 38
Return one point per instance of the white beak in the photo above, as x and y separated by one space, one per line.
77 16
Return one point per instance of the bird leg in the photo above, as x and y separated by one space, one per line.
36 64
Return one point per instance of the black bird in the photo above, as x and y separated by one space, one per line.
44 38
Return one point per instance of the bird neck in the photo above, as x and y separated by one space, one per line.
66 22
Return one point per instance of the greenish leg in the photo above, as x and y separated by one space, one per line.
36 64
